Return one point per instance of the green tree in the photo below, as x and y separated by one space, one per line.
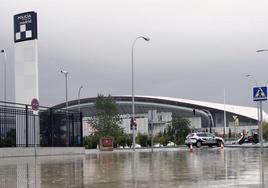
178 130
91 141
142 139
123 140
161 138
107 119
129 141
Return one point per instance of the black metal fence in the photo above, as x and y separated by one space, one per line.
20 126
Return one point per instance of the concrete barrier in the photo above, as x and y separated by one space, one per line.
40 151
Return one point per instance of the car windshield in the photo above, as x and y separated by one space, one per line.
210 135
202 134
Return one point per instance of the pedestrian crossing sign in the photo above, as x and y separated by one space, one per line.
260 93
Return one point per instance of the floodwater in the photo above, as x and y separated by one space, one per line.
204 167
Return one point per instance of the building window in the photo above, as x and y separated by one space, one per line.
219 120
160 118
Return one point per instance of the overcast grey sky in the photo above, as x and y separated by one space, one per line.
197 47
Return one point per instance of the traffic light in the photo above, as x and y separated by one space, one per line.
133 124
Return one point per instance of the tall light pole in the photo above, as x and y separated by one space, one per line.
66 100
224 113
79 91
211 121
253 78
260 107
133 99
66 87
5 81
262 50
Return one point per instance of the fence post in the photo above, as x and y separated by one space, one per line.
51 132
26 126
81 129
71 129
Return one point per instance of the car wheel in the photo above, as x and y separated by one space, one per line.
219 143
198 144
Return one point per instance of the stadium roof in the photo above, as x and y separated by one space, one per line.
250 112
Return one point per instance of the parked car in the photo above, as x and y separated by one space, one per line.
203 139
254 139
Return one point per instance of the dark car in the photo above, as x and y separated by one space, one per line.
254 139
203 139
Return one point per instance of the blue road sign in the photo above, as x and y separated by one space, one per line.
260 93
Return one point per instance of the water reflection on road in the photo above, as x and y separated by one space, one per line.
205 167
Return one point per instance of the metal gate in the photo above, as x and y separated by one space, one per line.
21 127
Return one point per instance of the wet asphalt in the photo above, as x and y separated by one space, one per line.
172 167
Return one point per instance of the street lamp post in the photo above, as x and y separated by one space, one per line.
79 91
261 50
5 84
259 108
133 99
211 121
66 87
224 113
260 111
66 104
252 76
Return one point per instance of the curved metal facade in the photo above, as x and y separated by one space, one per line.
143 104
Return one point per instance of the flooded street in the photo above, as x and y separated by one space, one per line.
205 167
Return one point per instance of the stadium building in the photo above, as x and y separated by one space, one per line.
202 115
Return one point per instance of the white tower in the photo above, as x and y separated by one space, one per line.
26 72
26 57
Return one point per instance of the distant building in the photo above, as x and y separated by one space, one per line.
202 115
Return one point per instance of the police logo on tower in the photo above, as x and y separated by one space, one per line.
25 26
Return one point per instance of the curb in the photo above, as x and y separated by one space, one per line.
245 146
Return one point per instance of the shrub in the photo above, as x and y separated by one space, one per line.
161 138
91 142
123 140
129 141
142 139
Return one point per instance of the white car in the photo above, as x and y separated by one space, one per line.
203 139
